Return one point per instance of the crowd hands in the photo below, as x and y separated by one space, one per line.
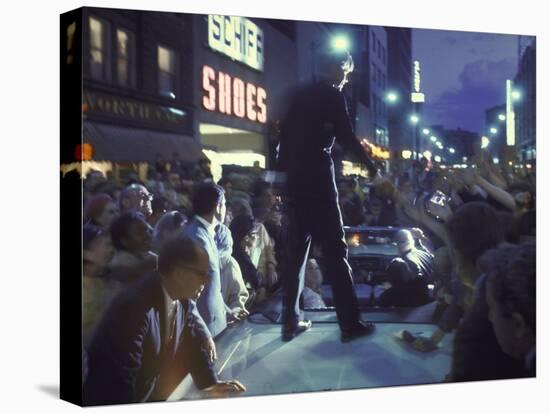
481 223
460 218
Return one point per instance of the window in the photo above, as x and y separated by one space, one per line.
71 29
125 57
167 72
98 49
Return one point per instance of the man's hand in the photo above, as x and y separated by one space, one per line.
237 315
210 347
423 344
225 389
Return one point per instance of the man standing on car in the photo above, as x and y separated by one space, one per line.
317 117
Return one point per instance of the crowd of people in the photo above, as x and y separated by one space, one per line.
475 245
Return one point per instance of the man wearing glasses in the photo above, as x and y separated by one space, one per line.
152 336
136 197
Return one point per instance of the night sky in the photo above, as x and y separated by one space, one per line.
462 74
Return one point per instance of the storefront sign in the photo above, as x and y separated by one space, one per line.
238 38
99 103
233 96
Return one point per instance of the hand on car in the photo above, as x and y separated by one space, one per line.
225 389
237 315
423 344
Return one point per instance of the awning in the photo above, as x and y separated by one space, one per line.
118 144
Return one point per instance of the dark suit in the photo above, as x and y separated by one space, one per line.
317 116
129 357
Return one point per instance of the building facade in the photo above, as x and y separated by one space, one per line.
401 135
525 108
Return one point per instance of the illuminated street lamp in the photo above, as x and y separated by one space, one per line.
502 117
392 97
484 142
452 150
425 131
516 95
493 130
433 138
415 119
340 43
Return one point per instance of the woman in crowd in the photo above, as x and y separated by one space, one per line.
100 211
168 226
97 289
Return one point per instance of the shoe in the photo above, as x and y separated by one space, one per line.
290 333
358 331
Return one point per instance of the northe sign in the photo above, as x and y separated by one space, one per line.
238 38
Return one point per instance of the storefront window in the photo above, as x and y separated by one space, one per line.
167 72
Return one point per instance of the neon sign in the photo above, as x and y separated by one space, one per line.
238 38
232 96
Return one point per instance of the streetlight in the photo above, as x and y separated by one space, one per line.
340 43
425 131
392 97
484 142
452 150
516 95
433 138
493 130
502 117
415 119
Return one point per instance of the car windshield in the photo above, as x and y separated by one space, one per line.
368 242
376 263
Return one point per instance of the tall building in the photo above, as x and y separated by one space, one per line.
525 106
401 134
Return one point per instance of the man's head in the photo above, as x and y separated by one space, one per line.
334 67
511 296
136 197
183 267
209 201
473 229
405 241
132 233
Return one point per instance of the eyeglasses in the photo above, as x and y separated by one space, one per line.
146 197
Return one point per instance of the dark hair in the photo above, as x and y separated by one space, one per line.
473 229
511 271
398 272
121 225
90 232
206 196
176 252
160 203
526 223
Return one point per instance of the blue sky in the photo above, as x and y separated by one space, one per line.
462 74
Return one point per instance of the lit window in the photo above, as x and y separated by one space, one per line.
167 72
124 57
97 49
71 29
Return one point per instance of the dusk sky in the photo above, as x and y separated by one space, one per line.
462 74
